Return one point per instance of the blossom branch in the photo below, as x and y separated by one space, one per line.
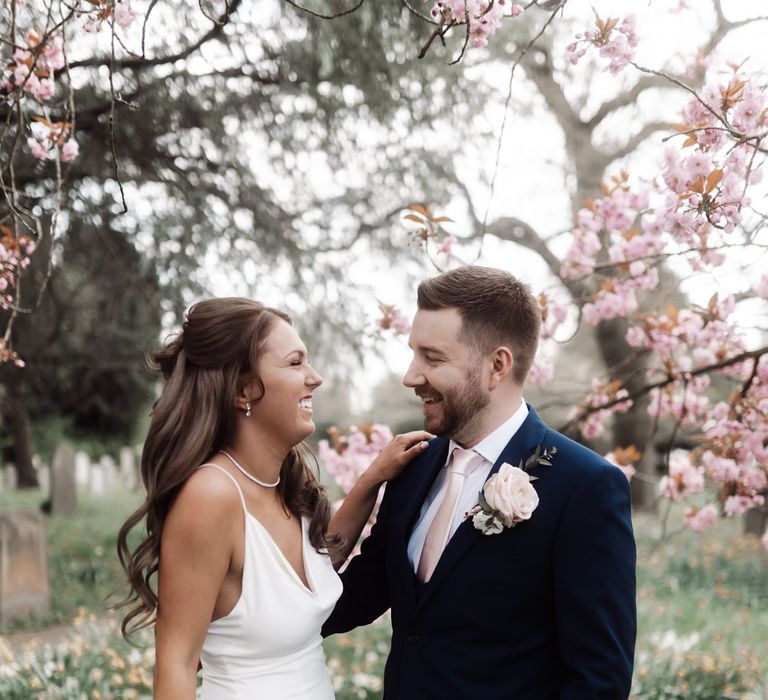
708 369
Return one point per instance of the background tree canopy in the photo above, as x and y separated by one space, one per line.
277 149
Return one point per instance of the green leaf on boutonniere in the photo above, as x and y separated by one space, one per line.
540 458
483 503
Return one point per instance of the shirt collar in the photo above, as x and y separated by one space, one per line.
491 446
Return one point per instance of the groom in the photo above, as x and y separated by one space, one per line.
541 610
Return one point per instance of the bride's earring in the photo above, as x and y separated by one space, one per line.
248 410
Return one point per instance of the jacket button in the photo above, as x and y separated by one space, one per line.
414 637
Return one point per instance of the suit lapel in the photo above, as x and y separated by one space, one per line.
530 434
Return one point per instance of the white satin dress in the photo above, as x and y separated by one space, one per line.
269 646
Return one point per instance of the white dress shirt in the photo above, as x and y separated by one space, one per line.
489 448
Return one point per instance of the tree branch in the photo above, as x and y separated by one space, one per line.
647 82
518 231
637 139
141 63
648 388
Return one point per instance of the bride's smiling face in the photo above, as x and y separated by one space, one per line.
289 381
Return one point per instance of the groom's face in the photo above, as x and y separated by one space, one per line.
446 373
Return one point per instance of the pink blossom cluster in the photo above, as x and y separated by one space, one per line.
735 452
392 319
624 460
593 424
46 147
14 257
762 287
484 16
447 244
700 519
614 40
123 16
347 456
7 355
683 480
553 315
540 372
34 66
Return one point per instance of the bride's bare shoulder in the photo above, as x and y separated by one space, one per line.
208 498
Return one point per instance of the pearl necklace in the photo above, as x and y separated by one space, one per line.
250 476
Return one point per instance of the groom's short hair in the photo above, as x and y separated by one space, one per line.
495 308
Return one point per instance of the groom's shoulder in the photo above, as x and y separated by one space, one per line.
414 471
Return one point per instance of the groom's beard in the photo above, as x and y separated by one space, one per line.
459 407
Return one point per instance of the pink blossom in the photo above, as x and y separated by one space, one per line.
762 287
401 324
70 150
627 469
124 16
738 505
447 245
699 519
45 89
684 479
540 373
38 149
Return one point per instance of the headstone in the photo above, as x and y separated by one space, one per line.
109 470
44 478
128 468
10 477
82 468
63 487
96 485
24 587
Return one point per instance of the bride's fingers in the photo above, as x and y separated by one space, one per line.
413 438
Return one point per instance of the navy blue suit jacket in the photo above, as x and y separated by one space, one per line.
544 610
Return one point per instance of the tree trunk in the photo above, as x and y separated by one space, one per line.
21 433
756 521
634 427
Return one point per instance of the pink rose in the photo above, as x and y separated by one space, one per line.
510 492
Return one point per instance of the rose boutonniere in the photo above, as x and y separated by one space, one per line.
508 497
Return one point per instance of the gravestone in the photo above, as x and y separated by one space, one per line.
128 468
96 484
44 478
24 587
11 477
109 471
82 468
63 486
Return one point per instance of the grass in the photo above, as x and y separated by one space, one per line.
702 608
82 565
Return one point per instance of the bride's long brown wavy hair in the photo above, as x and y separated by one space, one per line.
220 344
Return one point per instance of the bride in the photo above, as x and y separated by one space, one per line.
238 529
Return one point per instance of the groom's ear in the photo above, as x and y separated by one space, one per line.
502 362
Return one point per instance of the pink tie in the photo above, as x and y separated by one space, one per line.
437 535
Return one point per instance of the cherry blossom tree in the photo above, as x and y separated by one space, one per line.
676 374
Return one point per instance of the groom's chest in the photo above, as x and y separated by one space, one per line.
519 555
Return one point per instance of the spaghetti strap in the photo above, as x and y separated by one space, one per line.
232 478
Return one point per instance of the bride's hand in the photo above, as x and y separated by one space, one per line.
399 451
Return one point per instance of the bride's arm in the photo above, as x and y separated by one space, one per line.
350 518
195 554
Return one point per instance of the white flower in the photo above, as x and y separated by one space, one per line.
487 523
510 494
